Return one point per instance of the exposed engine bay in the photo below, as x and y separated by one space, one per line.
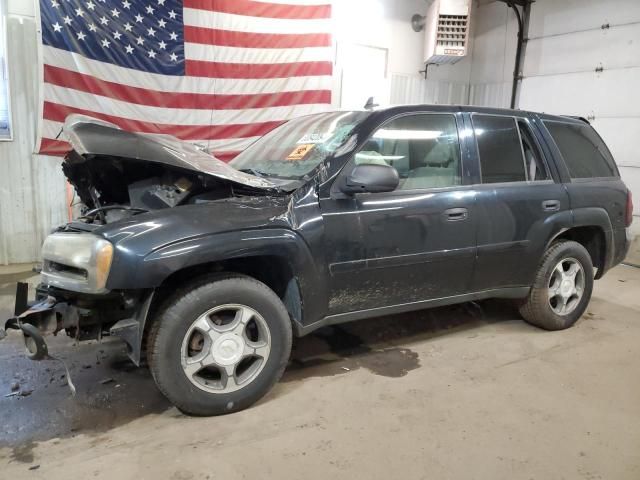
113 188
117 173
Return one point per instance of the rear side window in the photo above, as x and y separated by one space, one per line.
534 164
584 152
499 148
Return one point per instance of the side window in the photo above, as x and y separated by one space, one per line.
423 148
582 149
533 162
499 149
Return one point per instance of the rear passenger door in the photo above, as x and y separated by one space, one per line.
518 202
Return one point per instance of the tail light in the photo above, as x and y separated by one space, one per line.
628 218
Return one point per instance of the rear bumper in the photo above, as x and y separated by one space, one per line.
629 238
618 243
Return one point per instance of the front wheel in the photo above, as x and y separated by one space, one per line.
562 287
220 346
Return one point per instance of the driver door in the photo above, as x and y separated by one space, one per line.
413 244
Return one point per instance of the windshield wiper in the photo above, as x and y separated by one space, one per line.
254 172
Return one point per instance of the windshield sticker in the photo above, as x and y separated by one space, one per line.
300 151
314 138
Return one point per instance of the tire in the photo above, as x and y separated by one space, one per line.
173 356
544 305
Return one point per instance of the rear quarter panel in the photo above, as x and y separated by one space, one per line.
593 201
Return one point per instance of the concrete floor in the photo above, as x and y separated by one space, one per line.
464 392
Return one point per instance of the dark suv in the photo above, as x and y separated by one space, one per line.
209 269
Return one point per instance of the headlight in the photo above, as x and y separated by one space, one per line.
76 261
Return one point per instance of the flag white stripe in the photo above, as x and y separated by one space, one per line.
134 78
51 129
213 53
172 116
244 23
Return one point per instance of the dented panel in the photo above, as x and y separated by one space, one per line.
91 137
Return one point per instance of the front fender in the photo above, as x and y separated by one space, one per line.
153 269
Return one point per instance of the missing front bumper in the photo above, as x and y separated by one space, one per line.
33 320
54 311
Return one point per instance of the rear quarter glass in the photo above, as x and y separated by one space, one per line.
584 152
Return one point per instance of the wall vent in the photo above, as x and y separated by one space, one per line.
447 31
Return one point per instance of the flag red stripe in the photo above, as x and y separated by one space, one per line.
203 101
49 146
58 113
261 9
226 156
231 38
201 68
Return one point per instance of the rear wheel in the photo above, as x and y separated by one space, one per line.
562 287
220 346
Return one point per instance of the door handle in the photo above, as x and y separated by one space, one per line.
456 214
551 205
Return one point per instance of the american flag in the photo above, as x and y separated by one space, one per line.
219 73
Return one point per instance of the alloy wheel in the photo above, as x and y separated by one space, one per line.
225 348
566 286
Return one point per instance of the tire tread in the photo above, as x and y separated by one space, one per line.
535 310
168 313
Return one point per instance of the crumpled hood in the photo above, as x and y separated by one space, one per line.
90 136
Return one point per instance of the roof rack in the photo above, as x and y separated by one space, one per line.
582 119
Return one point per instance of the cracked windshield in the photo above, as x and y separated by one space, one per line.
295 148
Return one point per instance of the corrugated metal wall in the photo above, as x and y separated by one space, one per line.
414 89
32 188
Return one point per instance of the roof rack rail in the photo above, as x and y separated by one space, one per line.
582 119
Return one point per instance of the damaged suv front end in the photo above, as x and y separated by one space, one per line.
73 296
164 225
119 176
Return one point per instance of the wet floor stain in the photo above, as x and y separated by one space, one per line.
111 391
23 453
347 352
379 345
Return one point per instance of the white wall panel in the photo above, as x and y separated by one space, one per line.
619 134
609 94
558 17
490 94
410 89
495 31
32 188
584 51
383 25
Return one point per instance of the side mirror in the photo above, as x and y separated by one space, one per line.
371 178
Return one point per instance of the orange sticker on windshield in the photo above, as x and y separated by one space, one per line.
300 151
